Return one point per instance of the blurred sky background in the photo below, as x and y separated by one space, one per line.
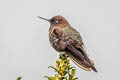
24 45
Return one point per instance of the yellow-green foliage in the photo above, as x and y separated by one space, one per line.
19 78
63 69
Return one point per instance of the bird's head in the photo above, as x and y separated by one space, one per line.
57 21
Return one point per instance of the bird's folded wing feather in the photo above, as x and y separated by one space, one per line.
77 57
76 51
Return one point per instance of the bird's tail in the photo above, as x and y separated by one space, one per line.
82 64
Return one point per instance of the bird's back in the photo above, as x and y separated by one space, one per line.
72 33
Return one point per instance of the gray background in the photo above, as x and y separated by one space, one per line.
24 46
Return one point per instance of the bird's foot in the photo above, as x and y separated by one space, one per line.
63 56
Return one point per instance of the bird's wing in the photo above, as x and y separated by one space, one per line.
76 51
79 57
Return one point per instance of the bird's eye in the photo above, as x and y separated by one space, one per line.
56 21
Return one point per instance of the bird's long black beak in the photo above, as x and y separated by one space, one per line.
44 18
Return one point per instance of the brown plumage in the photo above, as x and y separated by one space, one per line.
66 39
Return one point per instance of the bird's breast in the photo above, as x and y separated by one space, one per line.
54 40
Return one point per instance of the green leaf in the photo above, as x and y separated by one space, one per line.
71 67
73 72
75 78
70 77
54 69
47 77
19 78
65 72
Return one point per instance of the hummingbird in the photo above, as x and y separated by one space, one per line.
65 39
